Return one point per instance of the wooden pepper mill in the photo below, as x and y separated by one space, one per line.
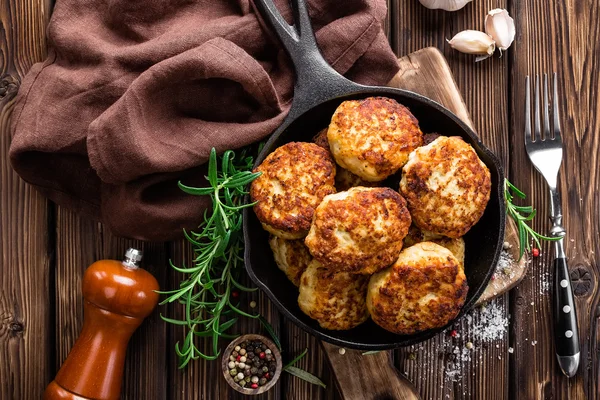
118 296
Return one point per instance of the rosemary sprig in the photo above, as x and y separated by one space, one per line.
206 292
521 215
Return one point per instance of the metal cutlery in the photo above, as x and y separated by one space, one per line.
545 154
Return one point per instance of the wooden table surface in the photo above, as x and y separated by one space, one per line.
45 248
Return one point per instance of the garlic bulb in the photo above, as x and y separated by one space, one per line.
448 5
473 42
501 27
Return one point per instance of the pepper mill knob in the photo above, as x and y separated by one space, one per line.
118 296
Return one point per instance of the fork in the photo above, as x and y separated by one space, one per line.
546 155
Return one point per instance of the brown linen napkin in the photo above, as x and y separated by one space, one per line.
134 94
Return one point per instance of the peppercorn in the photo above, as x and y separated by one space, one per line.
250 355
453 333
247 372
235 294
247 379
237 348
535 252
243 352
265 369
242 383
250 349
236 379
254 386
235 353
263 347
268 357
262 381
267 376
255 379
262 355
268 351
254 370
233 372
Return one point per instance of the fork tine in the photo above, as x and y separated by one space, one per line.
546 109
527 111
555 112
537 124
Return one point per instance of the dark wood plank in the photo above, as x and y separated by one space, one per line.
26 355
559 36
483 86
80 242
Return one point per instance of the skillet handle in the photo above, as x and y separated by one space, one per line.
316 80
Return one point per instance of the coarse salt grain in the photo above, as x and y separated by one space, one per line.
491 324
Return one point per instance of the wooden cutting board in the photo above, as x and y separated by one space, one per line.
373 376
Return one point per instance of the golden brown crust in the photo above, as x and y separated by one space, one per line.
336 300
345 180
360 230
456 246
424 289
447 187
291 256
373 137
295 178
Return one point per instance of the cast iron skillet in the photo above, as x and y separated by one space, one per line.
319 90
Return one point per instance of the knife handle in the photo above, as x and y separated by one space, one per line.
566 335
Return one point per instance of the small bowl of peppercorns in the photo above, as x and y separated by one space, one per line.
251 364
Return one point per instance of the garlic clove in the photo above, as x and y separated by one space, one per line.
501 27
448 5
473 42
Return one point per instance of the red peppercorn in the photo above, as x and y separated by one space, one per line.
262 354
535 252
266 375
453 333
235 294
254 385
238 358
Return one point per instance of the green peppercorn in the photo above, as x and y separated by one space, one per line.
265 369
233 372
242 383
247 379
253 370
262 381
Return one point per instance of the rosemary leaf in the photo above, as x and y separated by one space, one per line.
295 360
270 330
307 376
